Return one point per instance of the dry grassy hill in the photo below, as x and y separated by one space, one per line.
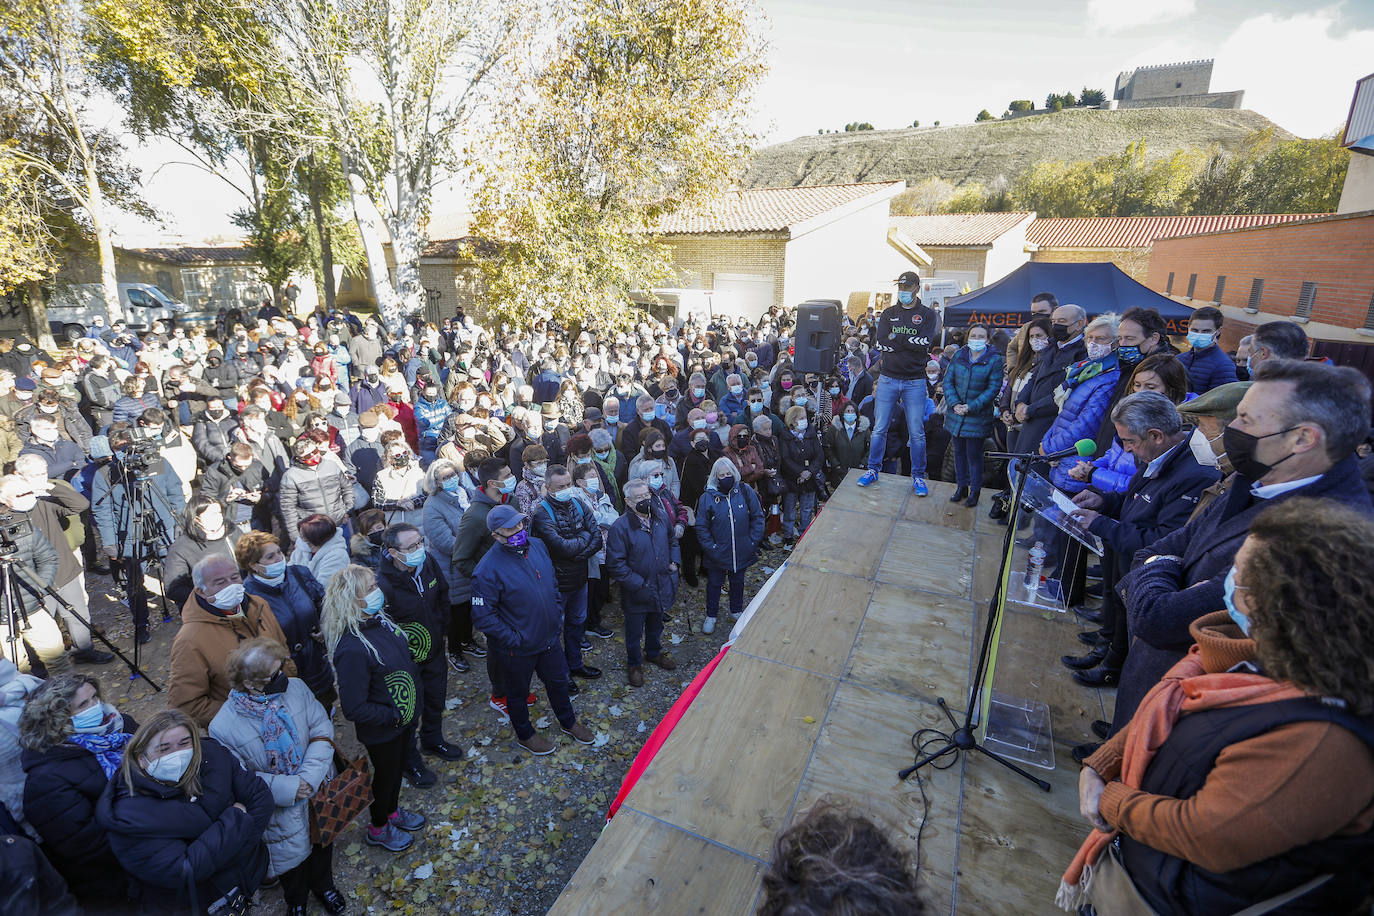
981 152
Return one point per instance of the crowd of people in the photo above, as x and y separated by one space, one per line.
337 517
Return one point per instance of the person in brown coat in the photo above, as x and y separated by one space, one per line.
742 452
215 620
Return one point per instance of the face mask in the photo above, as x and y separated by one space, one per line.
369 433
801 400
801 425
834 390
725 484
400 459
1228 595
592 485
508 485
850 419
1128 354
603 455
977 346
538 469
90 717
700 445
698 393
312 459
737 390
1098 351
1199 340
661 410
932 377
277 684
656 481
170 767
905 296
698 424
275 570
755 406
647 416
231 596
753 363
374 602
416 558
45 435
1059 332
518 540
564 495
787 385
645 505
1038 344
612 419
1240 450
24 503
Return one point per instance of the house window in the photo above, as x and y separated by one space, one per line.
1192 285
1306 299
1178 85
1256 294
1221 288
1169 287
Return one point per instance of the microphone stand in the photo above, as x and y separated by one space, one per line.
963 738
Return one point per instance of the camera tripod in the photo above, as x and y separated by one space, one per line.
13 574
141 527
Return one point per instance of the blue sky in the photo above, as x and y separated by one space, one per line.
891 62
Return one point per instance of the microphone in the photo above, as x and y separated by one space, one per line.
1083 448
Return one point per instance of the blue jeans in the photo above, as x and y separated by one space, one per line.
968 462
715 578
789 511
647 628
573 606
911 394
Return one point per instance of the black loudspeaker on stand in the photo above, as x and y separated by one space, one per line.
964 736
817 339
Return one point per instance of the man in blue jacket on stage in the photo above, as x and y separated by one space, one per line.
515 603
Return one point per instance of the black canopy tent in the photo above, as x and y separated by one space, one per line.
1098 288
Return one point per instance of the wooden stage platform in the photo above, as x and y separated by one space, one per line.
878 612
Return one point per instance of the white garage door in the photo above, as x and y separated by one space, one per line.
749 295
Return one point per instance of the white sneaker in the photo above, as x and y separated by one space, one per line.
709 625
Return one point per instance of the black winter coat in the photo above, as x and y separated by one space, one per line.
211 438
800 455
296 605
167 842
29 885
572 537
418 601
62 786
638 555
378 686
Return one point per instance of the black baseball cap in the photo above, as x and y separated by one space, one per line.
909 280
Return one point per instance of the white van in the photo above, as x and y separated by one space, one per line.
935 290
72 308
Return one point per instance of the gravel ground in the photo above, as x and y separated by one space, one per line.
506 829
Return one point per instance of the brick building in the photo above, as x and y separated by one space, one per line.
1318 271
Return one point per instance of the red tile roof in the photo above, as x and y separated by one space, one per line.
768 209
958 228
1140 231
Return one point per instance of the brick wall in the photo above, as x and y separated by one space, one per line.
697 259
1135 262
1336 253
970 259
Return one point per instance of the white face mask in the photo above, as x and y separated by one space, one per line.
229 597
24 503
1038 344
1098 350
169 767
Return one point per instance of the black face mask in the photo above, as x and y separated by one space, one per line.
277 684
1240 450
700 445
645 505
1059 332
725 484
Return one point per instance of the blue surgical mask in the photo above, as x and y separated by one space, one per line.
698 424
1228 594
416 558
564 495
374 602
977 346
1250 365
647 416
90 717
274 570
612 419
660 411
593 484
834 389
508 485
698 393
656 481
452 485
585 459
755 406
800 401
1199 340
737 390
905 296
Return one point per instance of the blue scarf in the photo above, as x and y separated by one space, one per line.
108 749
1089 369
278 730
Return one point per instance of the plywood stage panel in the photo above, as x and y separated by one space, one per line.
878 612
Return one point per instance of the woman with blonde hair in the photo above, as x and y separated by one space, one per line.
274 725
378 692
186 820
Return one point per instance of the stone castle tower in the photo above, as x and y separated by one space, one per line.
1182 85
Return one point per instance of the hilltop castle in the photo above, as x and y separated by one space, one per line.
1183 85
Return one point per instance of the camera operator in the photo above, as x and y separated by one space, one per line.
64 457
21 541
155 425
136 464
56 503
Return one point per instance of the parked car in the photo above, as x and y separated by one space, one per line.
72 308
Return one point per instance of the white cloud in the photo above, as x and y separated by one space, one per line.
1119 15
1294 70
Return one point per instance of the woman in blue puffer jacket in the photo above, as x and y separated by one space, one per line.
1084 398
1161 372
729 528
294 595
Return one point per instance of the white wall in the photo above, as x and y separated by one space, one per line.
1358 194
1008 253
850 253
